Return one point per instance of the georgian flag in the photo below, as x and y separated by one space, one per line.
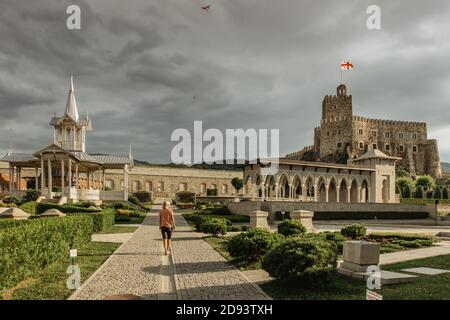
346 65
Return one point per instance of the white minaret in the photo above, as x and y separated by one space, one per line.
70 130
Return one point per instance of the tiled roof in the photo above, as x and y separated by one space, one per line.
17 157
111 159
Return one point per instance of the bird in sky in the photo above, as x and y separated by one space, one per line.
206 8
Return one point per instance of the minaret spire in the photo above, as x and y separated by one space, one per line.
71 106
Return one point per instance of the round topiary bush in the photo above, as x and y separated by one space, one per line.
354 231
213 226
31 195
291 228
133 199
253 244
305 260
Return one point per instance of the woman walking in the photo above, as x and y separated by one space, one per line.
167 226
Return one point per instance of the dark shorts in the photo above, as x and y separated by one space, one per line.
166 232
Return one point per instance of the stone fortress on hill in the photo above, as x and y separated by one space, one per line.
343 136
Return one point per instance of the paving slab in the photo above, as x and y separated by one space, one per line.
426 271
439 249
387 277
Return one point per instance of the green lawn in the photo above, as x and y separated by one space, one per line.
119 229
343 288
50 283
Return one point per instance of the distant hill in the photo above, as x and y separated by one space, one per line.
445 166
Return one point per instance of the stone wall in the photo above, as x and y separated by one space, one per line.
165 182
244 208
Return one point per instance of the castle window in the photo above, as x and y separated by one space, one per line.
361 145
339 145
374 133
109 184
135 186
339 131
414 148
224 188
414 136
400 135
203 188
160 186
387 135
182 187
328 133
374 145
387 147
148 186
401 148
360 131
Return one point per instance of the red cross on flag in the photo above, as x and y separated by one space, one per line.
346 65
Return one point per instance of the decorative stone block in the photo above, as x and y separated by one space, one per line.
52 213
14 213
358 255
258 219
305 217
62 200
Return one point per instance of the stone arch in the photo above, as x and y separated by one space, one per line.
283 186
343 190
364 191
248 184
322 190
297 186
309 186
332 190
259 188
270 186
354 191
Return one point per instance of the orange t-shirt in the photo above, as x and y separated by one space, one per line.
166 218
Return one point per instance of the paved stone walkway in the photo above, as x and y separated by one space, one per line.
440 248
194 270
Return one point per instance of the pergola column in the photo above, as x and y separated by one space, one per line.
36 178
69 178
349 194
11 177
316 193
368 195
49 173
327 189
304 192
263 191
42 175
77 181
125 183
62 177
276 191
88 180
103 179
17 178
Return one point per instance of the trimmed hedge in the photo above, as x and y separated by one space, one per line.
29 207
291 228
27 247
306 260
253 244
354 231
424 201
100 220
214 226
42 207
342 215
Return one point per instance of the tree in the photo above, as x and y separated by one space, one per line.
402 173
444 193
427 182
404 181
437 192
237 183
407 192
419 193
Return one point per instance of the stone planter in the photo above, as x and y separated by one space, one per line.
305 218
258 219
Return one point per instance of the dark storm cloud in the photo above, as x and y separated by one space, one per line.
146 67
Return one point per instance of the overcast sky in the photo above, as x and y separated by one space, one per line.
143 68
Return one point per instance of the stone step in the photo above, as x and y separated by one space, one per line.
387 277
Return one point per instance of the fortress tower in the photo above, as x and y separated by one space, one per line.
342 136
